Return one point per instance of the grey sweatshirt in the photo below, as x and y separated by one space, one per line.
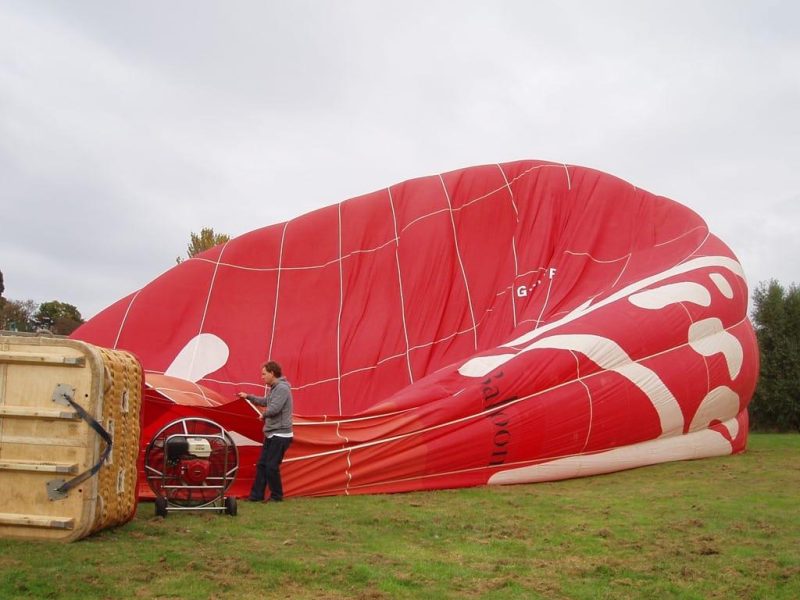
278 414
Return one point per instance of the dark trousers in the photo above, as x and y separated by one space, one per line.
268 469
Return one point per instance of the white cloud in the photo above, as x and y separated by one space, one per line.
125 127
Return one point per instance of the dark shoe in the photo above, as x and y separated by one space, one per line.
248 499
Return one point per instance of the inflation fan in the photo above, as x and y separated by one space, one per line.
190 463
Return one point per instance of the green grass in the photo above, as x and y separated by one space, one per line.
715 528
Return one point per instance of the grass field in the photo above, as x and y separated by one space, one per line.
715 528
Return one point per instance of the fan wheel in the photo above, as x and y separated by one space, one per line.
231 508
161 506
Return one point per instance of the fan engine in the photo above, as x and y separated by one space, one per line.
190 463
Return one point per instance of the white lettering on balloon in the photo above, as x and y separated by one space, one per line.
523 290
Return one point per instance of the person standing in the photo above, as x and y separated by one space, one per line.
278 432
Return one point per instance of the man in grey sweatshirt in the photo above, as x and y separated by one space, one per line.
277 432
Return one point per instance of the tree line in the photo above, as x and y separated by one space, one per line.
776 318
56 317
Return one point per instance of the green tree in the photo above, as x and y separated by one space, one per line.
17 315
2 287
205 240
58 317
776 316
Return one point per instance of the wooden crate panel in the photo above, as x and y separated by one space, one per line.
46 443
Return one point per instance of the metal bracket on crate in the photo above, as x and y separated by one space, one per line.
64 394
57 489
54 489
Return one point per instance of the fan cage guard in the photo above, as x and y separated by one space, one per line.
166 477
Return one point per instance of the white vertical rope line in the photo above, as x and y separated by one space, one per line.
705 359
347 471
277 291
513 246
589 394
516 263
400 284
208 301
591 415
125 318
339 317
461 264
625 266
510 192
700 245
513 292
569 182
546 300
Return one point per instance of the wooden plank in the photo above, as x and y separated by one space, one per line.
42 442
37 413
40 358
46 467
36 521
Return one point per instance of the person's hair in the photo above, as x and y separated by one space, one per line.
273 368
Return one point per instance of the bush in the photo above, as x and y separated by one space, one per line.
776 316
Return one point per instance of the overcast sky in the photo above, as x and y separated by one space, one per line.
124 126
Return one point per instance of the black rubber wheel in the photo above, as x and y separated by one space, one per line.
161 506
231 507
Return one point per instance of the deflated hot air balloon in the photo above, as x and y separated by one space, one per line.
507 323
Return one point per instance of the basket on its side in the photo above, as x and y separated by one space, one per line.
69 437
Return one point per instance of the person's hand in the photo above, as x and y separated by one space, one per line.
242 395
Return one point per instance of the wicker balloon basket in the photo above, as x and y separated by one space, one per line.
69 437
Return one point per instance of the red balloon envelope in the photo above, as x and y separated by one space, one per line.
506 323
